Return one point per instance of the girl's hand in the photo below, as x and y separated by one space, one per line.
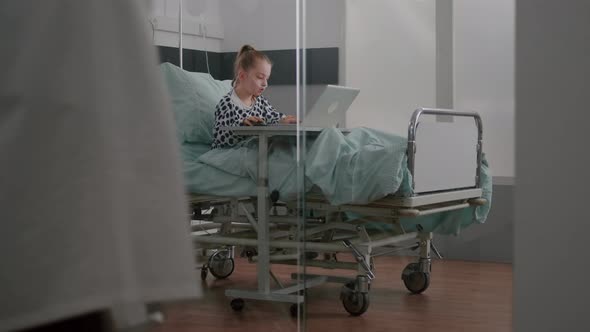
289 119
252 121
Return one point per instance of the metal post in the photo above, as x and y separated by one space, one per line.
180 31
425 259
263 196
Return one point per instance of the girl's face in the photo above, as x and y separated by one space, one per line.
255 80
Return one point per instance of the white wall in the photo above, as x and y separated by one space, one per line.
271 25
194 11
551 269
390 56
265 24
484 73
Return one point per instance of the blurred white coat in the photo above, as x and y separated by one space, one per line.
92 210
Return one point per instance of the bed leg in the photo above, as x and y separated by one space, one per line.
363 258
416 276
435 250
425 247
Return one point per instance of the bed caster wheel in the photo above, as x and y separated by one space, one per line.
415 280
221 265
296 308
355 303
237 304
204 272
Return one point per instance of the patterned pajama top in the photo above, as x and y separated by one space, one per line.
231 112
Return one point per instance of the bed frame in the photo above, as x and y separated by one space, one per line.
271 231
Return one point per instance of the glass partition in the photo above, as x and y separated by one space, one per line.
236 92
334 153
395 160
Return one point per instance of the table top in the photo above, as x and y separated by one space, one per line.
277 130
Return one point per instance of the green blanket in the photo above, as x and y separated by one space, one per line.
357 168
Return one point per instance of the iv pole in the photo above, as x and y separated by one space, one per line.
180 32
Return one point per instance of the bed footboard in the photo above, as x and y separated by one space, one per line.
444 155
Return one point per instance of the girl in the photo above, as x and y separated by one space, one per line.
244 105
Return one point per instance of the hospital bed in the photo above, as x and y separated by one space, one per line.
445 164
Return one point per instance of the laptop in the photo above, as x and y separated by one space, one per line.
330 108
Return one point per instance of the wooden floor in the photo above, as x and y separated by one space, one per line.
463 296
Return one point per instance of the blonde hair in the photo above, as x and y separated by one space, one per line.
246 59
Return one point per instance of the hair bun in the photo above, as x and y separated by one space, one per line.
247 58
245 48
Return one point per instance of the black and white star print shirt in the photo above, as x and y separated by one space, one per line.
231 112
